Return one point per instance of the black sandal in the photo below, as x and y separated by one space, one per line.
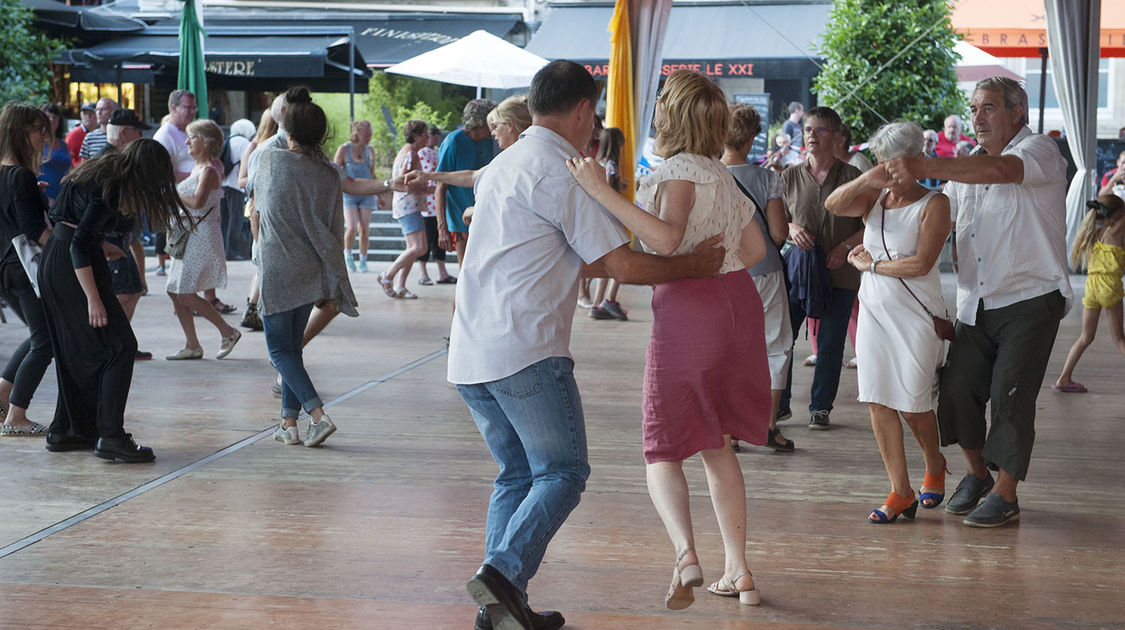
784 447
225 309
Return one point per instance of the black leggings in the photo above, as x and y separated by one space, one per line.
29 362
432 246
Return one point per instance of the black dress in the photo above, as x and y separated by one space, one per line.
94 365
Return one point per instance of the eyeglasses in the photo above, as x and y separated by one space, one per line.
819 130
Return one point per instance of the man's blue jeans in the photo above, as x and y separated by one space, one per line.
532 422
831 335
284 333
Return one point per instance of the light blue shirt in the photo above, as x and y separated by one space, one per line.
532 229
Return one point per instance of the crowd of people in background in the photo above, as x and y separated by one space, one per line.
740 255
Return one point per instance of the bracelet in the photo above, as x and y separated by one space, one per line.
873 263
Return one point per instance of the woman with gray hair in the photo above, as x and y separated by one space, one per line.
898 349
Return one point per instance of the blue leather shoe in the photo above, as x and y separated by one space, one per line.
969 493
994 511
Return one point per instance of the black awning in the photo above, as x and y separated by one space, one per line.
384 39
235 58
722 39
58 18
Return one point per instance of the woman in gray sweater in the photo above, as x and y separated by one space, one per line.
297 193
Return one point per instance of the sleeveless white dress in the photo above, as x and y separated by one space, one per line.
204 265
896 347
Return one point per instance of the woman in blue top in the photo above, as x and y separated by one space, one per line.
357 158
56 157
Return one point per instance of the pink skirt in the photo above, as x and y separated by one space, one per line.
706 371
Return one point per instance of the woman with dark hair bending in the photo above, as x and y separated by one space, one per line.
94 344
301 235
23 210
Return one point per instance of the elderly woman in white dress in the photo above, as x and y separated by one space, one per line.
898 349
203 265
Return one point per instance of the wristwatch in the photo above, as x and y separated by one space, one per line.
387 184
873 263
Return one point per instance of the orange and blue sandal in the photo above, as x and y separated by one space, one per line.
895 505
932 492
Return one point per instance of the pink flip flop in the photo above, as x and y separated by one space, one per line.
1073 388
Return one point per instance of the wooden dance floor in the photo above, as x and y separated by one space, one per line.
382 526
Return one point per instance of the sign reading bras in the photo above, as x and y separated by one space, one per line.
232 68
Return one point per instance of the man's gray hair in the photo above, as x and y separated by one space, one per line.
178 95
897 139
106 99
795 105
277 110
112 133
476 113
1013 93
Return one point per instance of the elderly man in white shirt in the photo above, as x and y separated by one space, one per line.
534 232
1008 202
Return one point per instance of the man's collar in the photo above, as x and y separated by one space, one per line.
549 135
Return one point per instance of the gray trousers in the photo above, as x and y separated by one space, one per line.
1003 359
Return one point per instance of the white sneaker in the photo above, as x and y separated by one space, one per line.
319 431
286 436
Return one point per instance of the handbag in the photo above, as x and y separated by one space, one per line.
176 241
942 326
29 253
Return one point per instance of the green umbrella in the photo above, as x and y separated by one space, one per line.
192 74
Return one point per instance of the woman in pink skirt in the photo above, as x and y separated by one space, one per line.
706 373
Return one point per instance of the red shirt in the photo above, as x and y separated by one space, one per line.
945 148
74 142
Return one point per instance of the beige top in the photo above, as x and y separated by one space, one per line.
720 207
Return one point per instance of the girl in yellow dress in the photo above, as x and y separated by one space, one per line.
1101 243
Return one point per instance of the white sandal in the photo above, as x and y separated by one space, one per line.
725 587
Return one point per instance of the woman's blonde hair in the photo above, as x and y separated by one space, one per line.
267 127
512 110
356 127
1111 211
695 116
210 133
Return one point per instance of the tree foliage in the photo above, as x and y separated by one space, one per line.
407 99
25 55
920 85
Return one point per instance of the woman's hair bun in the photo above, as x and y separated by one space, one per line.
298 95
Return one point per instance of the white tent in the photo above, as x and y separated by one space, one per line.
976 64
479 59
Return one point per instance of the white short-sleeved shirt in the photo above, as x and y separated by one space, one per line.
1011 238
238 144
532 229
174 141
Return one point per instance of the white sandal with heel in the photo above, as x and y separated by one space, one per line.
684 579
725 587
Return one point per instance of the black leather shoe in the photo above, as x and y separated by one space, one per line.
124 449
546 620
505 602
57 442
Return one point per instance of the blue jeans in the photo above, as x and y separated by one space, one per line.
284 333
831 335
532 422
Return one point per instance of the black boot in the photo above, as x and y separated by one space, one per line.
546 620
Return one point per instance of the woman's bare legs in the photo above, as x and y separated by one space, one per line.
668 489
17 416
1090 318
351 221
400 269
888 434
129 303
186 305
363 230
728 496
925 429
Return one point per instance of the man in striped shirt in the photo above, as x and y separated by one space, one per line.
95 141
